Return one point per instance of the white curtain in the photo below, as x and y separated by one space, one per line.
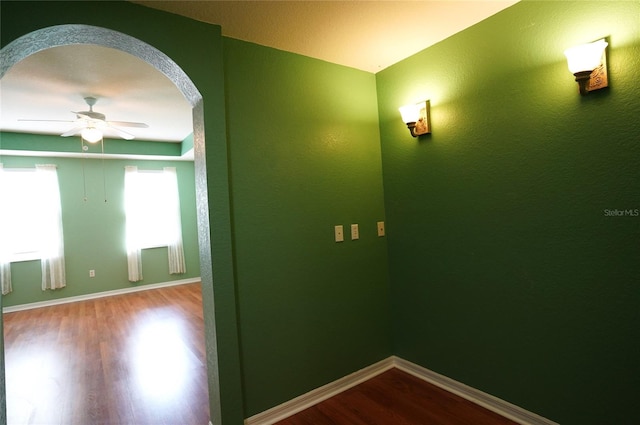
134 255
5 264
152 207
175 247
52 249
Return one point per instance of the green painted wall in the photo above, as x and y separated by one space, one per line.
46 143
94 231
506 272
305 156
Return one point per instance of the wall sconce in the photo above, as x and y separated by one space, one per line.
588 62
417 118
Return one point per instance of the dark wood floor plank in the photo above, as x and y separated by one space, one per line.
129 359
396 398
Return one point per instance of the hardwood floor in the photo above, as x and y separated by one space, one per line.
139 359
130 359
396 398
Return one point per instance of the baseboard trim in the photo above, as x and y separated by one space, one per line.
499 406
489 402
313 397
95 295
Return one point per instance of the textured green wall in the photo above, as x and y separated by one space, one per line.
305 155
94 231
506 272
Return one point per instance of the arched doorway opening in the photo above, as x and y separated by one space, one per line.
85 34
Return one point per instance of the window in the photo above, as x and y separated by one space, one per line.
26 215
31 223
152 208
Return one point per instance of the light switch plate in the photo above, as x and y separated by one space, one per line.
355 233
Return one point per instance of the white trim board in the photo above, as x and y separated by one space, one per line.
95 295
489 402
501 407
313 397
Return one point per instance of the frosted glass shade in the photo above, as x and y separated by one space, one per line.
585 57
410 113
91 134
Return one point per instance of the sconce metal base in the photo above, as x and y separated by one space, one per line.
582 78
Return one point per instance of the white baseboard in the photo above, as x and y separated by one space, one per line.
478 397
313 397
489 402
98 295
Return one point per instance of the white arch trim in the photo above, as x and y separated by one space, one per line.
63 35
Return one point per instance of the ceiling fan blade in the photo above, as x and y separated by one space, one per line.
122 133
128 124
82 115
24 119
72 132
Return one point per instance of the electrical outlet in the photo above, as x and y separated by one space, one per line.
381 228
339 233
92 273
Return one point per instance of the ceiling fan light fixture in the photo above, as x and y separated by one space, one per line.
91 134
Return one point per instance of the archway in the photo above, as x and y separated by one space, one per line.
85 34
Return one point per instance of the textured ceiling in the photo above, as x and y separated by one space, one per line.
367 35
50 84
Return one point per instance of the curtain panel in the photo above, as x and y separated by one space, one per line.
134 254
152 207
5 262
52 249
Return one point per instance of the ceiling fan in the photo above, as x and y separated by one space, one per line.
91 124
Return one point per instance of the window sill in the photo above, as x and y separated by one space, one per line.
28 256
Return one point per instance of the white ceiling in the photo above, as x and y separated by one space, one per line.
367 35
52 83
